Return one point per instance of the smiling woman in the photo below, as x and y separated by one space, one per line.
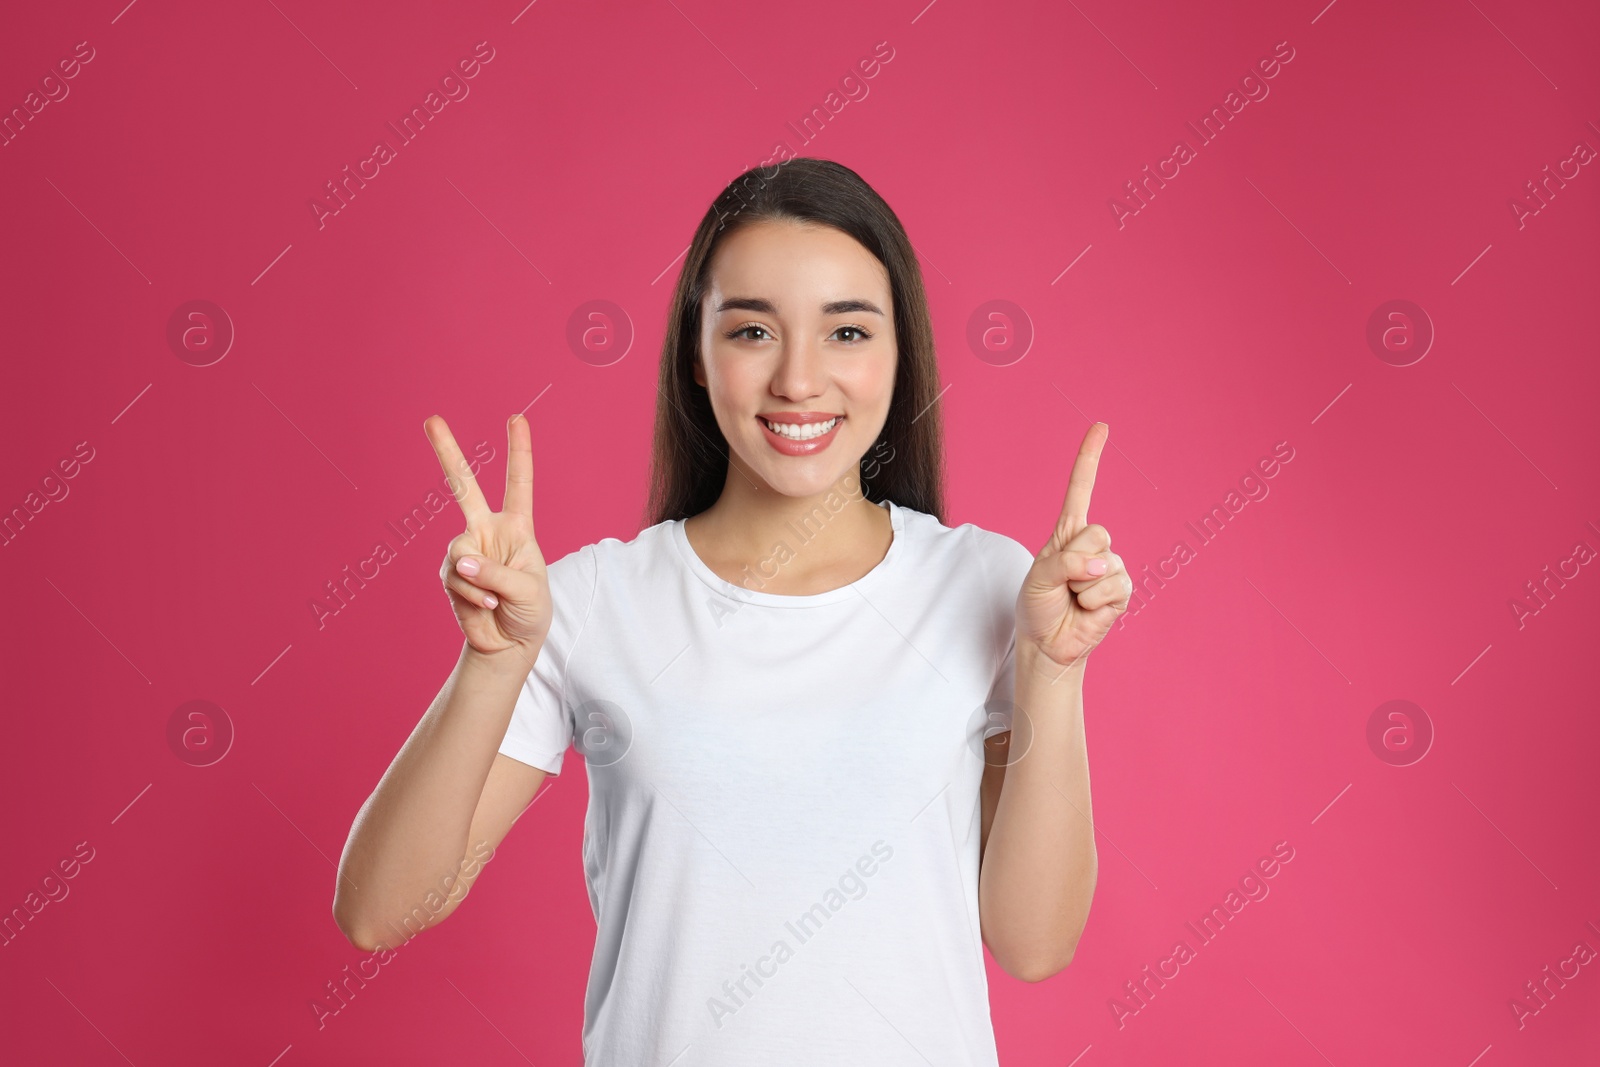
813 249
794 655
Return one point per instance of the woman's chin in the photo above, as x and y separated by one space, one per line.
799 476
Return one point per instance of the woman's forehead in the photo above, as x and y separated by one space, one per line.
794 269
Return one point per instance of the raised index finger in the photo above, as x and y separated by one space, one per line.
1075 511
519 469
463 486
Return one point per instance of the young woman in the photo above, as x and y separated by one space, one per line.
834 746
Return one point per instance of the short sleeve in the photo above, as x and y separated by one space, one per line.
541 727
1006 562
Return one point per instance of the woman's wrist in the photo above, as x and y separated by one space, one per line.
1033 662
513 661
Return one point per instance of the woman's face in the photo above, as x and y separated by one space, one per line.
797 325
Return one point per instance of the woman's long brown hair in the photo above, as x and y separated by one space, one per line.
689 457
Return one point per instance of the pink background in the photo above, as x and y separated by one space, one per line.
1228 713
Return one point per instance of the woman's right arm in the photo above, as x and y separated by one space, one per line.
449 797
439 811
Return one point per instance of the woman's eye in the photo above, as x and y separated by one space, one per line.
744 333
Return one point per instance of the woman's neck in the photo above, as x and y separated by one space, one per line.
798 546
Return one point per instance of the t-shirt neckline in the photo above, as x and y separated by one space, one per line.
746 595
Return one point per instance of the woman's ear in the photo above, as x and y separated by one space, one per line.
699 372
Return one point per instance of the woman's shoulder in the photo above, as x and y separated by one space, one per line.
1001 554
640 550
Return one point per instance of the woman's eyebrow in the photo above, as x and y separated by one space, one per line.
845 307
766 307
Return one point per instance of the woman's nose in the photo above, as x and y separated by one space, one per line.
800 370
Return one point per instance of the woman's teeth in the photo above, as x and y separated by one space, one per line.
803 431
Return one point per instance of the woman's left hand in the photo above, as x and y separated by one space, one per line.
1077 586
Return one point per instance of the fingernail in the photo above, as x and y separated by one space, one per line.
467 565
1097 566
490 601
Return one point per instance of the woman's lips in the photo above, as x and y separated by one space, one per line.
790 447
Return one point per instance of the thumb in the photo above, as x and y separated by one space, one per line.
509 583
1072 566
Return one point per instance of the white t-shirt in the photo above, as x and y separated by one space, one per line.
781 844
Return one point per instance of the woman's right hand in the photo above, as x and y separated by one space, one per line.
493 571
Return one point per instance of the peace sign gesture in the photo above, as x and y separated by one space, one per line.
1077 586
493 571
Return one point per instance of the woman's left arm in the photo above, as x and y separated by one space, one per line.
1039 864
